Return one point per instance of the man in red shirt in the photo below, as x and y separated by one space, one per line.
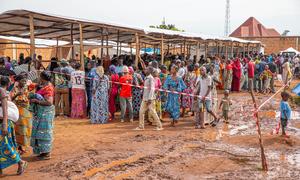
125 94
251 69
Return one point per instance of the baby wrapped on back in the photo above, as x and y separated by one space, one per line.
33 95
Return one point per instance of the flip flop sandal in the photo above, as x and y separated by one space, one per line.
22 169
47 157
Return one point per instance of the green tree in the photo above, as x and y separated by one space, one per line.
163 25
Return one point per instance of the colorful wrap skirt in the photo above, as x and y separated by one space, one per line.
8 148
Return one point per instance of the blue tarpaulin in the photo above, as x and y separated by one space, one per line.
150 50
296 90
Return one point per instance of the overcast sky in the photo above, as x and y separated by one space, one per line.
205 16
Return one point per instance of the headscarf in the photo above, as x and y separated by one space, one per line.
100 71
131 71
112 69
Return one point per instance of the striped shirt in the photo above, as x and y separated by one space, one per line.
32 75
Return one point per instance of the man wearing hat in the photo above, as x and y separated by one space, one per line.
125 94
62 78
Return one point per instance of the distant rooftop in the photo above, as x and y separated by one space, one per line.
253 28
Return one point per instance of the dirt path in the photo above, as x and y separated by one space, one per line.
115 151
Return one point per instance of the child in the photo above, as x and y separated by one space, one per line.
285 112
266 77
32 95
225 103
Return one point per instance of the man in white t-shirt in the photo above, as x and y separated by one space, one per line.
205 98
181 72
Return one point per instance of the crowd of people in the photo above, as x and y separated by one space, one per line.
101 87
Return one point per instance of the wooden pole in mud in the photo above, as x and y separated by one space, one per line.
262 151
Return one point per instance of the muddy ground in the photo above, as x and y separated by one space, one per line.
115 151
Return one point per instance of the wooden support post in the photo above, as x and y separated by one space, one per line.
118 39
137 49
56 49
244 50
248 50
32 39
102 42
206 49
218 50
184 48
81 46
162 51
72 42
238 50
180 49
14 46
107 50
231 50
60 52
226 51
120 51
198 51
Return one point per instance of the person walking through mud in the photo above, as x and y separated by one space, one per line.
174 83
149 101
205 94
225 104
43 116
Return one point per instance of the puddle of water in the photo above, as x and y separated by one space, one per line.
267 114
294 159
238 129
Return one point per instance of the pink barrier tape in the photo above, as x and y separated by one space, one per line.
271 97
141 87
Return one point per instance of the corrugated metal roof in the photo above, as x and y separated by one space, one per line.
49 26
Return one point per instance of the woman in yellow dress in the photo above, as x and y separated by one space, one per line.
20 96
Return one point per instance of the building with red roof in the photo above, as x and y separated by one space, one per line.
273 42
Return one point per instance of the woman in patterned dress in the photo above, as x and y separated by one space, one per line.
137 93
114 77
163 96
20 96
8 146
174 83
43 116
228 76
189 82
99 108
